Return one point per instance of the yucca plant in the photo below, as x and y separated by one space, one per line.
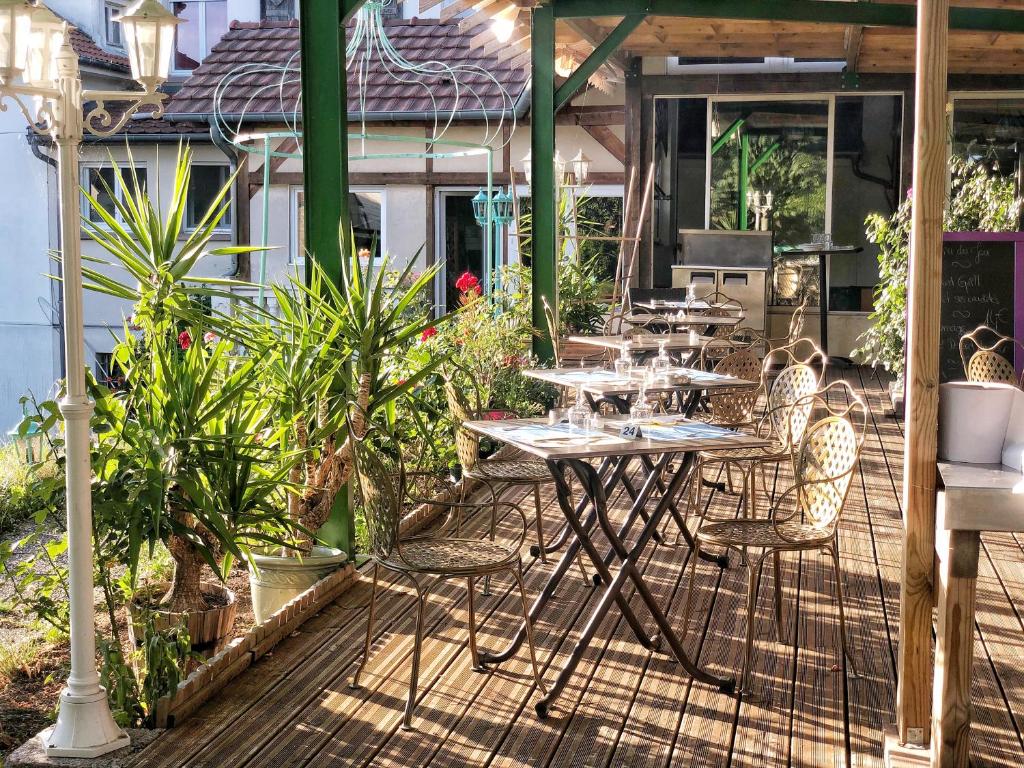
335 346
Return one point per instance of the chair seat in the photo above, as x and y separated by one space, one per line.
762 533
776 451
449 555
512 471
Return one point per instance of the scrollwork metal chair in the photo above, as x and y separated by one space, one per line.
987 364
804 518
732 406
435 557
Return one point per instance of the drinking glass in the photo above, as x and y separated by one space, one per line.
662 362
624 363
579 414
642 409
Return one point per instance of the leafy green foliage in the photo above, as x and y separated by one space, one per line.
17 503
980 201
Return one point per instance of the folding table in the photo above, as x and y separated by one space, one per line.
667 440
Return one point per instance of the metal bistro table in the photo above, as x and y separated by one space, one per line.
601 385
706 323
824 253
671 439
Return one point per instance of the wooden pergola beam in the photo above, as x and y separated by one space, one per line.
592 34
851 43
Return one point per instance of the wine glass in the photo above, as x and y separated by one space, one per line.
691 294
642 409
624 363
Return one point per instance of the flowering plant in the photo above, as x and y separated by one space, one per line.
468 283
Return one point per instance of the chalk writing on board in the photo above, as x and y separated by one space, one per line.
977 289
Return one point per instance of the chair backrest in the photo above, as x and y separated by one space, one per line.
796 323
721 305
467 443
800 351
735 406
989 363
790 403
381 483
827 454
716 350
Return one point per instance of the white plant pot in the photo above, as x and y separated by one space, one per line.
972 421
277 579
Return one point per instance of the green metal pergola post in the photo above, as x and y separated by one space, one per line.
744 182
542 187
325 170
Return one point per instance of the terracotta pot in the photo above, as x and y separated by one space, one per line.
278 579
206 629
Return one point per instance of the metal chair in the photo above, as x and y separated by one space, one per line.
732 406
987 364
556 341
804 518
438 556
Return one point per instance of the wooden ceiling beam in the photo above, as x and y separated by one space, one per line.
853 37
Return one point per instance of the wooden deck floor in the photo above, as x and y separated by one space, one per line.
625 706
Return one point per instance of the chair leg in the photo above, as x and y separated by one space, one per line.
777 568
414 675
470 600
834 551
694 557
493 531
369 630
518 573
748 647
540 523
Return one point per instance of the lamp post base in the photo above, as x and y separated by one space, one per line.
84 728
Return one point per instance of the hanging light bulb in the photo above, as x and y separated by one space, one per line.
502 27
528 166
565 63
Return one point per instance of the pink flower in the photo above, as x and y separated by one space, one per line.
184 340
209 337
468 282
427 334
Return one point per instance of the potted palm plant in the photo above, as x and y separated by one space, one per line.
199 460
331 346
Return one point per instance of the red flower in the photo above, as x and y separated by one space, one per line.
468 282
428 333
184 340
209 337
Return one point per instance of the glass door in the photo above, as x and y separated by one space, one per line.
460 244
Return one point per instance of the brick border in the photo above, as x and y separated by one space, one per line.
224 666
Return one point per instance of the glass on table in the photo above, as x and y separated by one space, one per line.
661 364
579 414
691 294
642 409
624 362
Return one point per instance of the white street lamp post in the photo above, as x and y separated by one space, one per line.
39 72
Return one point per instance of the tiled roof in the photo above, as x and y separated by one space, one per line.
277 44
90 53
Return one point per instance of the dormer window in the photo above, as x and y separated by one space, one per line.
112 28
207 22
277 10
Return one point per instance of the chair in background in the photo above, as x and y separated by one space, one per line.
805 517
731 406
988 363
583 357
434 557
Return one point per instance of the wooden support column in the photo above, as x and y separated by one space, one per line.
633 166
913 698
542 186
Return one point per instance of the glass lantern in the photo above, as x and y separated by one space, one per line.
148 30
502 203
480 203
15 29
45 40
581 168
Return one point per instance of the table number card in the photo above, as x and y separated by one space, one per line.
630 431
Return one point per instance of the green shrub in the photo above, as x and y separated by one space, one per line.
17 503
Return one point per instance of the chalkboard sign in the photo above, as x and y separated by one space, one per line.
979 276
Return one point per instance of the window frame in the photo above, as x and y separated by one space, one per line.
204 42
294 192
224 228
125 167
110 9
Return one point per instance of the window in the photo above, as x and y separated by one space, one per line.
108 372
103 185
206 21
112 28
204 186
366 208
277 10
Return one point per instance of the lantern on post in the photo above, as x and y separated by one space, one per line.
581 168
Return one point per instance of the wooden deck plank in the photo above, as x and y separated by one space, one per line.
626 707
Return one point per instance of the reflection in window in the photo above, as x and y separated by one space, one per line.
366 210
991 131
205 184
206 21
771 146
104 186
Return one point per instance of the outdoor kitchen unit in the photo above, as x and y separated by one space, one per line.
731 261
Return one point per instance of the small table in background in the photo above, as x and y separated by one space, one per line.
823 253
